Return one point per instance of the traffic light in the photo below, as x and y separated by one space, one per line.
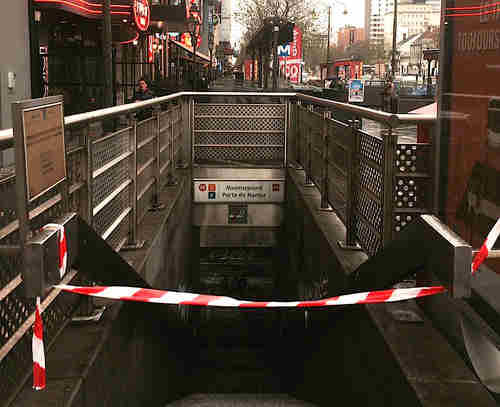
286 33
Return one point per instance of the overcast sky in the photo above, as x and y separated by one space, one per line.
355 16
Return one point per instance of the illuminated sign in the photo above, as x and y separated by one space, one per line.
239 191
141 14
87 9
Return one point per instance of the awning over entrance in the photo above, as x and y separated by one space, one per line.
204 57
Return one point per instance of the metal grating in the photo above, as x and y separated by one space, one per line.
239 139
239 124
369 209
107 149
245 154
370 147
370 178
369 241
146 129
229 133
239 110
111 212
108 181
120 235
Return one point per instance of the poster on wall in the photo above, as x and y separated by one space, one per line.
356 90
470 119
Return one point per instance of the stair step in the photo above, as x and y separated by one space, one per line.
239 400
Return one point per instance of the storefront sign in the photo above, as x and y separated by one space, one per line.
141 14
43 131
239 191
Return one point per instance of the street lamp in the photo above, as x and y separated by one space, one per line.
276 30
211 48
329 29
193 27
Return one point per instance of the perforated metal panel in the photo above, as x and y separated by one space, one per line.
371 148
249 133
413 183
369 189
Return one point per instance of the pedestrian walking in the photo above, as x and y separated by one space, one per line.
143 93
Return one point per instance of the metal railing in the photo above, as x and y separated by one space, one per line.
375 183
115 177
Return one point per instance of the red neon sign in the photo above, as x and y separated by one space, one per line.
141 14
87 7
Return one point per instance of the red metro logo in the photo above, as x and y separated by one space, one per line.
141 14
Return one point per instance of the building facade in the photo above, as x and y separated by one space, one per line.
349 35
413 18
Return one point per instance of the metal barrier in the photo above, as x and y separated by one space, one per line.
115 177
375 184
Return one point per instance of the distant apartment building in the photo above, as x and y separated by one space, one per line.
374 20
413 18
226 16
349 35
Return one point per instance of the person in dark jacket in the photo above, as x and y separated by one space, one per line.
143 93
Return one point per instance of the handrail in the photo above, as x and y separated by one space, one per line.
392 120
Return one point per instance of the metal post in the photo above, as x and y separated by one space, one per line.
133 243
172 180
156 205
325 206
195 68
89 216
390 145
350 242
298 137
328 45
394 35
309 182
107 54
276 29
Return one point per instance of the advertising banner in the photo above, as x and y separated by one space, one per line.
290 57
356 90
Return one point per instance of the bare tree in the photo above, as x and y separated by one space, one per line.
253 14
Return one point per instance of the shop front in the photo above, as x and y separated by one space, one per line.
68 50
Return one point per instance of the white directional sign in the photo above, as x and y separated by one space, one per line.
239 191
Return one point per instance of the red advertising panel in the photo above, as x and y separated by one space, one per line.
248 69
290 58
470 119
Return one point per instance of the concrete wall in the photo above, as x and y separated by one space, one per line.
15 57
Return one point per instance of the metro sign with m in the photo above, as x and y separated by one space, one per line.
284 50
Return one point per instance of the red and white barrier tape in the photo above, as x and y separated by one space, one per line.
181 298
63 248
38 350
482 254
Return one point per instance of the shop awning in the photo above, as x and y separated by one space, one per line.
188 49
427 109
